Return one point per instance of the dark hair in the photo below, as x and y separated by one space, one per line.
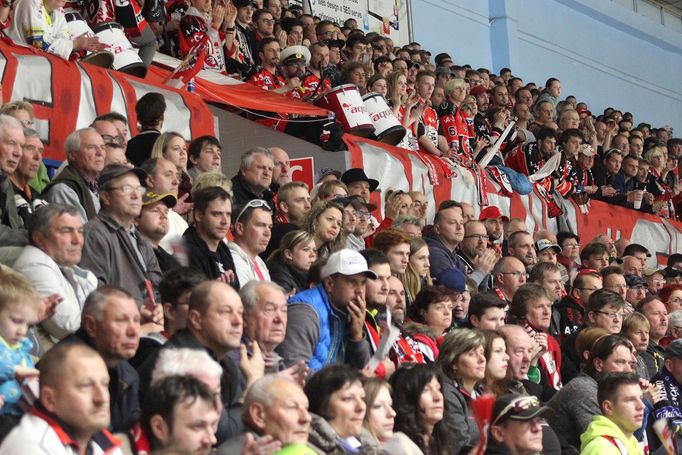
592 249
602 349
323 383
608 385
445 205
112 116
353 39
482 301
256 15
150 109
602 298
374 257
205 196
408 384
43 217
321 24
290 22
194 149
562 236
545 133
428 296
611 270
634 248
163 395
569 133
149 166
526 293
178 281
641 306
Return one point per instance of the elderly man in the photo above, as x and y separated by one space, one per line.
77 183
508 275
254 177
114 250
180 415
26 198
518 425
332 310
65 405
162 177
51 264
204 241
251 231
521 349
11 143
265 319
152 225
632 266
276 407
110 324
657 315
281 173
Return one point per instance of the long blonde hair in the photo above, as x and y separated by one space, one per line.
411 280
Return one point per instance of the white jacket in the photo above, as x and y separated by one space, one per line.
73 284
31 24
35 436
243 266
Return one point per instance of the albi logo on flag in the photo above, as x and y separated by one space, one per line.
303 170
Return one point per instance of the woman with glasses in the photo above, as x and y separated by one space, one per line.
576 403
325 224
290 263
430 317
419 405
380 420
463 364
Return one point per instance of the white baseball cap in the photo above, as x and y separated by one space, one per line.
347 262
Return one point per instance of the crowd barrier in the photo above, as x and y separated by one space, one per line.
397 168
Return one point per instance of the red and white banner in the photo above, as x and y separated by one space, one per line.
66 96
398 168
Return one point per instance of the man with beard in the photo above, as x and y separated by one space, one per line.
475 254
152 224
294 60
314 81
521 247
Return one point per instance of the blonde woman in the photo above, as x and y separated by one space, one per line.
663 194
173 147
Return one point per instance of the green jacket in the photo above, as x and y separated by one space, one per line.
593 442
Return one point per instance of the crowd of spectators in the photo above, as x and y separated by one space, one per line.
150 302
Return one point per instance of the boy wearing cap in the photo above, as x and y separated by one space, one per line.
620 399
153 225
516 427
325 324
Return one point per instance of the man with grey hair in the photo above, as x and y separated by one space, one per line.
410 225
51 264
76 184
11 142
281 174
254 177
26 198
274 407
110 324
675 325
265 319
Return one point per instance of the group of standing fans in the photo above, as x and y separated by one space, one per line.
171 308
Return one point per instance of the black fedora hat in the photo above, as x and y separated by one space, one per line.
358 175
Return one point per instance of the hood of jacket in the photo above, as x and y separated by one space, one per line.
601 426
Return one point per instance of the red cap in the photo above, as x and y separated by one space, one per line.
491 213
582 110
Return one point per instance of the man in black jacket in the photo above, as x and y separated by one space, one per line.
111 326
204 241
254 177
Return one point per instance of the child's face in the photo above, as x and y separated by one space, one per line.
14 322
